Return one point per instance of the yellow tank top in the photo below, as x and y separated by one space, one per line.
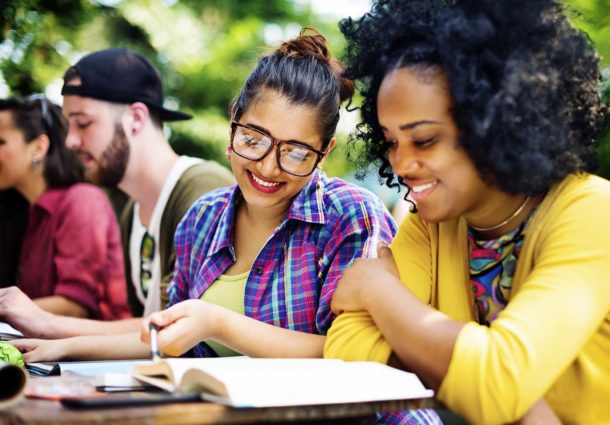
228 292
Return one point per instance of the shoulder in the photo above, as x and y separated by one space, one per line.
215 201
573 212
195 181
85 196
587 185
583 195
341 197
205 170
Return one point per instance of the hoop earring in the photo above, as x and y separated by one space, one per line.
36 163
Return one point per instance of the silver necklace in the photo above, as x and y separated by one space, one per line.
508 220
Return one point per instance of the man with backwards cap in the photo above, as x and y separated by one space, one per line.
113 100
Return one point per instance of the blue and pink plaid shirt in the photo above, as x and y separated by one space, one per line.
292 280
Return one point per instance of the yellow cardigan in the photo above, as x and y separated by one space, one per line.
553 338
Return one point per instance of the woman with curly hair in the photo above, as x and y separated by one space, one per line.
495 290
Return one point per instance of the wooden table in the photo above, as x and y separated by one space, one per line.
48 412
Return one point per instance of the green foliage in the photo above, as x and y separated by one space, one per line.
603 150
593 17
204 49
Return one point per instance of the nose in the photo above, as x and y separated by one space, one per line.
403 160
73 140
268 166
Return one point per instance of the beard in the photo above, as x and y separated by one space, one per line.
113 162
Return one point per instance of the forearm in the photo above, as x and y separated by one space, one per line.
107 347
421 337
257 339
65 327
61 305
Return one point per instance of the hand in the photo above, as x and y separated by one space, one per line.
43 350
19 311
183 325
363 275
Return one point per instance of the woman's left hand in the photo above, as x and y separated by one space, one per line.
363 275
43 350
183 325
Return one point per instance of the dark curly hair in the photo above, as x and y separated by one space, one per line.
524 82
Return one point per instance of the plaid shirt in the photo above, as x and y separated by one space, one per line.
330 223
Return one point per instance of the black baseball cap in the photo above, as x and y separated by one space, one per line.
122 76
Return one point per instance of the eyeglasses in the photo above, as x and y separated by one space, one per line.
44 108
293 157
147 255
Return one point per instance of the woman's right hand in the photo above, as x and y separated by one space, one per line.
43 350
184 325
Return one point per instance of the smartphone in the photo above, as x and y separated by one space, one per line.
127 400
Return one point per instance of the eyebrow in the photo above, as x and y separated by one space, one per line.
77 114
268 133
412 125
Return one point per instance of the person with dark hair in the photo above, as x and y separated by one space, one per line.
113 101
261 282
53 223
495 290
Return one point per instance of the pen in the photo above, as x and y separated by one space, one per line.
155 353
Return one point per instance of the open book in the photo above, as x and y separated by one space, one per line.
247 382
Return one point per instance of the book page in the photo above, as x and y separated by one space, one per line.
289 382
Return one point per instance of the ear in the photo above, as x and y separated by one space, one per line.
39 147
139 116
331 145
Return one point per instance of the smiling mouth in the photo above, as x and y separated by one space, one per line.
263 182
423 187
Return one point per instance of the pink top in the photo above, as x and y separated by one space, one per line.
72 248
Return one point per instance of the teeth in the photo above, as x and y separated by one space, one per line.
264 183
418 189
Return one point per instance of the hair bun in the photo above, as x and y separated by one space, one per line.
308 43
312 43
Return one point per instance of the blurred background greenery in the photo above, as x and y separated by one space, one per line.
204 49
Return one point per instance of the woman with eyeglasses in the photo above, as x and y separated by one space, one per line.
60 239
496 291
257 263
